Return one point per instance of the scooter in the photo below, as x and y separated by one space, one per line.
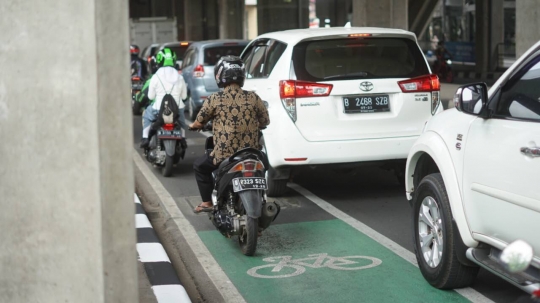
166 146
239 197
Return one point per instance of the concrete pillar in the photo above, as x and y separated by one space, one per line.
381 13
527 24
193 24
489 34
66 174
231 19
277 16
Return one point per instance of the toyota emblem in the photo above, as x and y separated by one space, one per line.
366 86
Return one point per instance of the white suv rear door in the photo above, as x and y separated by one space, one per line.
360 88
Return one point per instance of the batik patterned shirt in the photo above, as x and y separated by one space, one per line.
237 117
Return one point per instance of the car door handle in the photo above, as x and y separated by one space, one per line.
531 152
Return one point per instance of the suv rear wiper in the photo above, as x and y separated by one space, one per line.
361 74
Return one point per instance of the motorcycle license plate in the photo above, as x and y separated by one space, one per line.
240 184
169 134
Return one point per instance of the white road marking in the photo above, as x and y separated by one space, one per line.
152 252
468 292
170 293
141 221
210 265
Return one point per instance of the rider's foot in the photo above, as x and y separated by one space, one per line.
144 143
204 207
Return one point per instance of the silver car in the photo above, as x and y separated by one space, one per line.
198 69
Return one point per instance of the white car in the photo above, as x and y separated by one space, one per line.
473 180
340 95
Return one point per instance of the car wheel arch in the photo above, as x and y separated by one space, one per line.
430 149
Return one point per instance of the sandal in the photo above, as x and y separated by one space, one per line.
203 209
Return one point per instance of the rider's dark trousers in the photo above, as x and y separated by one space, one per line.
204 166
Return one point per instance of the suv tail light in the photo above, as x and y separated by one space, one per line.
428 84
289 90
198 72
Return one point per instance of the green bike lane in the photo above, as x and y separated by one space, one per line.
353 279
323 258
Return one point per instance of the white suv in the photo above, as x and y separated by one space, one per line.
473 180
340 95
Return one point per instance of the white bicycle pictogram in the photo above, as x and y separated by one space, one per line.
318 261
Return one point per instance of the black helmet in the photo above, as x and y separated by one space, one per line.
229 69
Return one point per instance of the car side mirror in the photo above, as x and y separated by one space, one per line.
471 98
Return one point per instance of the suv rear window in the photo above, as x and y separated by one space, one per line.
212 54
345 59
180 50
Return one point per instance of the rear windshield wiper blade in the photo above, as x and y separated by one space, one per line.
358 74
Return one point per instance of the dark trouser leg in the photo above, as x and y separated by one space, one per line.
204 167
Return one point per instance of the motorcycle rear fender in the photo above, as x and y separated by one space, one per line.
170 147
252 201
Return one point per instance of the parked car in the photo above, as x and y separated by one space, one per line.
472 180
340 96
178 47
198 69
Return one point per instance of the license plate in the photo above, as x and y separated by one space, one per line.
169 134
240 184
366 104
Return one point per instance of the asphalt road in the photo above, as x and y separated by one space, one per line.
366 196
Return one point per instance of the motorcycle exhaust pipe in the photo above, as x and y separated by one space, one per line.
270 211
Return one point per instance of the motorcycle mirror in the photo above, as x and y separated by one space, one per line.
517 256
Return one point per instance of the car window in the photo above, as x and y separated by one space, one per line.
212 54
358 58
262 57
188 60
520 98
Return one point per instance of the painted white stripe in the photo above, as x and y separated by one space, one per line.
137 199
170 294
141 221
223 284
468 293
152 252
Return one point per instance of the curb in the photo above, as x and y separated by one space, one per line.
161 274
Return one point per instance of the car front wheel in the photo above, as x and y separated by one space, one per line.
434 238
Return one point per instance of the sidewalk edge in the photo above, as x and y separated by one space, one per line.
202 277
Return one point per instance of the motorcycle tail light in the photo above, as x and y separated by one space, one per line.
248 174
168 126
247 167
237 167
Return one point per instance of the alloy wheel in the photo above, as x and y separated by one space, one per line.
430 231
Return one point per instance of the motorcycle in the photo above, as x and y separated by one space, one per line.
444 70
166 146
239 197
136 86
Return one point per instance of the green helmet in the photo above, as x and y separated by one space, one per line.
166 57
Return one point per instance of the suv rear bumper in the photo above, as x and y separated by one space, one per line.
329 152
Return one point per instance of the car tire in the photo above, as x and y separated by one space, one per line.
432 220
276 188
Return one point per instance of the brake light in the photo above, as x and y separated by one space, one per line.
359 35
295 159
428 84
198 72
184 43
289 90
136 78
168 126
248 166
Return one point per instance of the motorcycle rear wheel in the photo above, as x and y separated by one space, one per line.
167 169
248 239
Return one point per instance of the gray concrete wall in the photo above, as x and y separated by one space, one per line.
66 178
381 13
527 25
